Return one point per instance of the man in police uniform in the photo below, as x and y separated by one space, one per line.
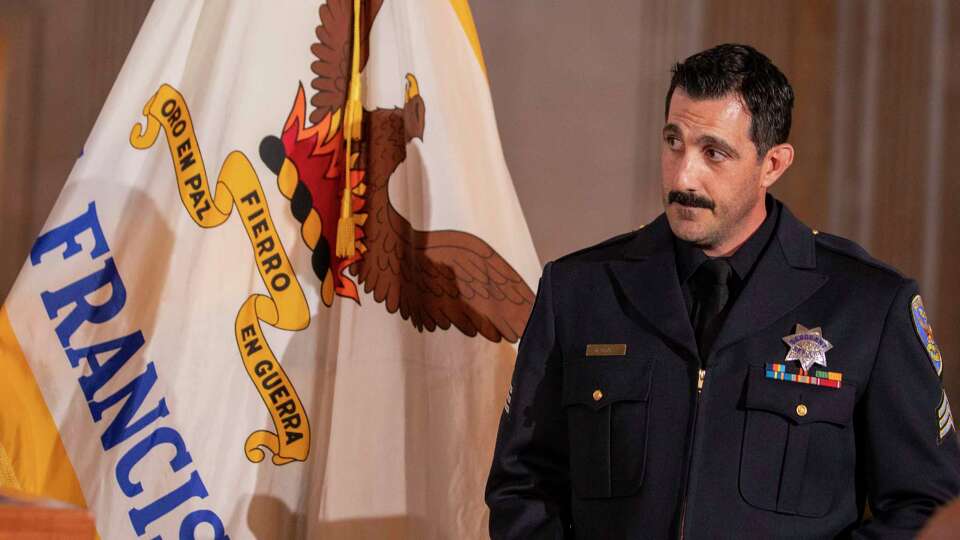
724 371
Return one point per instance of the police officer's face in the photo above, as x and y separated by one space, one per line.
712 182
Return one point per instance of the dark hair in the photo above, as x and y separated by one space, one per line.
741 69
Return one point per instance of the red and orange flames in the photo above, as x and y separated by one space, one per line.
317 153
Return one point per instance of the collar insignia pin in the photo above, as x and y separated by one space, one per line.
807 346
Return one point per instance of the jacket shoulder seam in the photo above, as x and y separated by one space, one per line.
610 242
858 254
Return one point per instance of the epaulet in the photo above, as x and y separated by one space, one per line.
618 240
849 248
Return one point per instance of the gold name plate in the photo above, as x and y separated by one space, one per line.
607 349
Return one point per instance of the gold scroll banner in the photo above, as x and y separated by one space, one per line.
285 307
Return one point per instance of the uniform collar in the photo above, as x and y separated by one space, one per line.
795 238
690 257
780 281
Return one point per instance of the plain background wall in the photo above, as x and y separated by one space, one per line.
578 88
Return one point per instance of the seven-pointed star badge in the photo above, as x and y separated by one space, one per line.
807 346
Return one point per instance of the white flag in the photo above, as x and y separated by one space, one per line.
279 294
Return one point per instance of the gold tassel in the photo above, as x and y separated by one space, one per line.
353 117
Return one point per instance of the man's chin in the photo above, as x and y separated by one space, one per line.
688 230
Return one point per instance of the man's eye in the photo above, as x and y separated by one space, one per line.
715 155
672 142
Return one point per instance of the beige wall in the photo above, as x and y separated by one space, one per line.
58 60
578 88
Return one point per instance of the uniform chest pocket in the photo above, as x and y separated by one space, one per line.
606 402
797 444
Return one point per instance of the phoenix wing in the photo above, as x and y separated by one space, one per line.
442 278
333 53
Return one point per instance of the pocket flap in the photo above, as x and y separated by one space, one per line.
800 403
597 382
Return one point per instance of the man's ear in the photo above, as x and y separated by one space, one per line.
775 163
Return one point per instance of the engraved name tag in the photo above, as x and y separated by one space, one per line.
606 349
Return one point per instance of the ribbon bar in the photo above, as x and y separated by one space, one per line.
783 372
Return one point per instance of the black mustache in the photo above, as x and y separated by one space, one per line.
686 198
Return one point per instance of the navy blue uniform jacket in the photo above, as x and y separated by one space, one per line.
625 446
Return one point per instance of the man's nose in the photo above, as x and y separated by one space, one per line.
688 174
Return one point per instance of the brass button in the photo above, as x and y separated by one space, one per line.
597 395
816 232
801 410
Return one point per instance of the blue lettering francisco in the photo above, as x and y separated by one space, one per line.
137 404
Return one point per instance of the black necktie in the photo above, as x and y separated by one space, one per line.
711 293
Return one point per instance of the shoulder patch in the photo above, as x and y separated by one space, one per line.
925 333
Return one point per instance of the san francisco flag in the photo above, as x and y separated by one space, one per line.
280 293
